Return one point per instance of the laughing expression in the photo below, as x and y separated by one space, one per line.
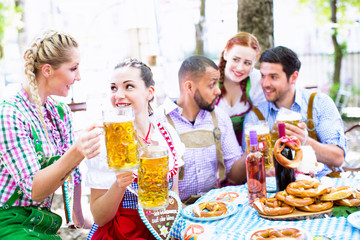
239 62
128 89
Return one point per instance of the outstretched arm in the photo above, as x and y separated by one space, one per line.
329 154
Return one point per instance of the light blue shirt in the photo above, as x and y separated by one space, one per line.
327 120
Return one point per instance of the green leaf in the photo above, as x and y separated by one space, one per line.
342 211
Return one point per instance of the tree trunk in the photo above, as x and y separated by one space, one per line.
199 31
338 52
256 17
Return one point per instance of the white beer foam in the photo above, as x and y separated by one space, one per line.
285 114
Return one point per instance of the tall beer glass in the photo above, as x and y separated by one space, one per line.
285 116
152 177
263 136
121 139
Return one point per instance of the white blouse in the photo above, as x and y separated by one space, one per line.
256 95
100 176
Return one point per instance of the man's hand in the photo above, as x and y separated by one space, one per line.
298 131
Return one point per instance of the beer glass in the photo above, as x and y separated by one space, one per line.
121 140
263 135
286 116
152 177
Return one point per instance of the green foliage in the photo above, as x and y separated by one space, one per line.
342 211
334 90
323 16
10 15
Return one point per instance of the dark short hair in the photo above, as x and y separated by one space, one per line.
195 65
283 55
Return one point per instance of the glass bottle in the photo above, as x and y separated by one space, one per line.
255 170
283 175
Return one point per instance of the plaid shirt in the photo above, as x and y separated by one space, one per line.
328 123
201 163
18 158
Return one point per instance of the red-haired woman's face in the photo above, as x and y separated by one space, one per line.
239 62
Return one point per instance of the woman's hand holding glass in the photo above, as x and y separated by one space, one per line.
89 142
124 179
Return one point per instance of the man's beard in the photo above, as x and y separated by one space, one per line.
202 104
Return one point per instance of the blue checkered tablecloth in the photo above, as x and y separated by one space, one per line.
246 220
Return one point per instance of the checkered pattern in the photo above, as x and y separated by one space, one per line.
246 220
328 123
201 163
19 161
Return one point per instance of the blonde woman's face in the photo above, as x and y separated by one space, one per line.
239 63
128 89
65 76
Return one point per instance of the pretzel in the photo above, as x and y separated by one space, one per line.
297 201
271 233
272 207
337 193
210 209
294 144
317 207
352 201
306 188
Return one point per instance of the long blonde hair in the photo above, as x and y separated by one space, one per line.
52 48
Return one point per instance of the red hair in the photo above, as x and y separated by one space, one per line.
242 39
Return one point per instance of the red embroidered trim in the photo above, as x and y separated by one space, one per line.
167 137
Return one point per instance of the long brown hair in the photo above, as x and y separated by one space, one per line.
242 39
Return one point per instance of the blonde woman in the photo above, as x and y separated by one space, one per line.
37 145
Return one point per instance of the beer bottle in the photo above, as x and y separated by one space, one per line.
255 170
283 175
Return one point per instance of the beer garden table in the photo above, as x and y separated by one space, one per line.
247 220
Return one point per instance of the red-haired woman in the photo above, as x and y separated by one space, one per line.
239 80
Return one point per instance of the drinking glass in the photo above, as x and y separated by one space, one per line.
263 135
120 137
152 177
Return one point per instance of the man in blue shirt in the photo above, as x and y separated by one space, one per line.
279 72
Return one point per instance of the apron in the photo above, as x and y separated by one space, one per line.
32 222
126 225
199 139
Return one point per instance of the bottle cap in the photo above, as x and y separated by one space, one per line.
281 127
253 138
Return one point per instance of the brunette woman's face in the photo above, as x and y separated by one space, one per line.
239 62
128 89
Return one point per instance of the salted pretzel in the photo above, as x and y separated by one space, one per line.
271 233
210 209
306 188
272 207
337 193
294 144
352 201
292 200
316 207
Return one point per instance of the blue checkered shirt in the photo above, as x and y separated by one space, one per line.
328 123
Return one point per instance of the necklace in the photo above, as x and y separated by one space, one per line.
146 139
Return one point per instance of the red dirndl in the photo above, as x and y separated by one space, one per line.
126 225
